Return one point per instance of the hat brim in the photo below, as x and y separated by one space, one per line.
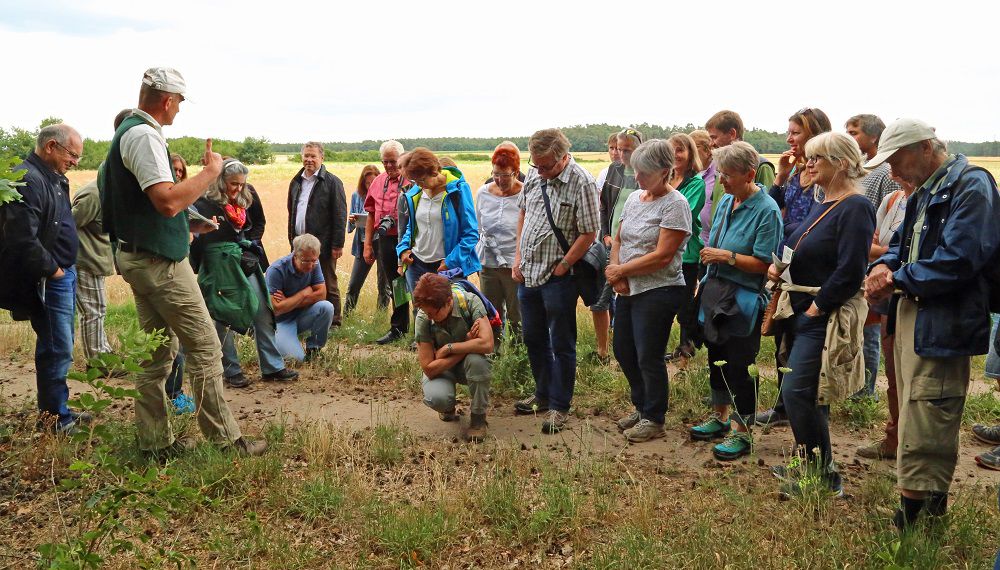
880 158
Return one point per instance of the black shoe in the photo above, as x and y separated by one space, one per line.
237 381
282 375
530 405
391 336
311 354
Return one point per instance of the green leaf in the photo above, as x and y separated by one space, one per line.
8 191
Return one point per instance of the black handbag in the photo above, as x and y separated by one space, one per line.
588 271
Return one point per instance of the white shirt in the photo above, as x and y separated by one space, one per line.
300 208
428 245
144 152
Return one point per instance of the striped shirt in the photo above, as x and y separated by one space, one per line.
573 196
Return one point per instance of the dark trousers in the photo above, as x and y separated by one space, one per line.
731 383
810 422
359 274
388 270
329 268
53 326
548 324
687 316
175 380
642 331
418 269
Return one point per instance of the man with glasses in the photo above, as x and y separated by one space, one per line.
298 294
382 235
145 214
560 190
317 205
38 262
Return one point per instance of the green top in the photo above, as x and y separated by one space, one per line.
628 186
464 312
923 197
693 189
95 255
753 228
129 214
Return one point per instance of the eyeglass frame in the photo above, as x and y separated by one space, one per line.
73 155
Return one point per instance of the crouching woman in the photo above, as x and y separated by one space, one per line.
453 336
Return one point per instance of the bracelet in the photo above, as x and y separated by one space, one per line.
566 263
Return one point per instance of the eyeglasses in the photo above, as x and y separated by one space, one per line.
540 167
817 158
71 154
307 261
504 174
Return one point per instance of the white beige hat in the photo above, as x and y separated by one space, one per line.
165 79
899 134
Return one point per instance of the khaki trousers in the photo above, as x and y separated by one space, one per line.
167 297
931 398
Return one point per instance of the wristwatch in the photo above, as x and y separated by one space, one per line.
732 259
565 263
451 349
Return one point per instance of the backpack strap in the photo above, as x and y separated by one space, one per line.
458 294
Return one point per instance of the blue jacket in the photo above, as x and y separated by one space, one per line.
959 238
461 230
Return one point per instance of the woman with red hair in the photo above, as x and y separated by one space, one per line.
497 212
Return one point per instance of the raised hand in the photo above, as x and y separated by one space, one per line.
211 160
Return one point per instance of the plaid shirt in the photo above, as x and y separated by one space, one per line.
877 184
573 196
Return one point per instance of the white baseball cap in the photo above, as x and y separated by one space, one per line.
165 79
899 134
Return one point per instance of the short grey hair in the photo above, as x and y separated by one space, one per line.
391 145
59 132
304 243
316 145
549 141
870 125
216 191
738 156
653 155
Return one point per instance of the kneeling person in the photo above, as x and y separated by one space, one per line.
453 337
298 293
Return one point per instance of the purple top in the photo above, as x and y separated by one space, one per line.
708 175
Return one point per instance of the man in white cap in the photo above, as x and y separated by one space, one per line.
145 214
933 276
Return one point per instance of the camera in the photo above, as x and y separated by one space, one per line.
384 225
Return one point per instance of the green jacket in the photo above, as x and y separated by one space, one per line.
227 291
95 255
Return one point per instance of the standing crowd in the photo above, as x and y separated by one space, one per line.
870 244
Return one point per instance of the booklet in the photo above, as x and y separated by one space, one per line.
195 216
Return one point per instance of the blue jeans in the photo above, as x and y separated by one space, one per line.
267 350
53 327
417 269
548 324
644 322
800 388
872 351
315 320
993 358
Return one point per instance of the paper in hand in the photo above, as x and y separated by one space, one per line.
197 222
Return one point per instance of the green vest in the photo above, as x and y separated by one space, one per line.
129 215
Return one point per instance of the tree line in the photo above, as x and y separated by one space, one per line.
18 142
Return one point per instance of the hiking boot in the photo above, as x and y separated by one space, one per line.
683 352
531 405
989 459
476 432
179 446
82 418
183 404
237 381
244 446
311 354
783 474
449 416
554 422
907 513
391 336
645 430
712 428
628 421
736 445
877 450
834 485
283 375
771 417
987 434
595 359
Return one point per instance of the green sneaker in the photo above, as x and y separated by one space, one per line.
736 445
712 428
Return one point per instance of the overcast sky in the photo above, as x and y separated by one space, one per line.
348 71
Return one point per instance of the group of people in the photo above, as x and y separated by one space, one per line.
872 238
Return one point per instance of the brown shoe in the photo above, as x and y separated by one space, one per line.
453 416
877 450
244 446
180 446
477 428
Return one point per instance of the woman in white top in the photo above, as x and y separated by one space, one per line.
498 212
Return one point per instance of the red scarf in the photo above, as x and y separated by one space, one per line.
236 215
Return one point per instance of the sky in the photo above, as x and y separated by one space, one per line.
349 71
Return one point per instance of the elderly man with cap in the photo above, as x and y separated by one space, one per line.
38 264
933 277
145 213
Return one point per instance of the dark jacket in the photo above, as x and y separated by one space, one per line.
29 230
326 215
252 231
960 235
609 195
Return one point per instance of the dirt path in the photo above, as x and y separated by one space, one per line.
320 397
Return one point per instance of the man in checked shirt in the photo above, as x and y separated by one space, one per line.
547 293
